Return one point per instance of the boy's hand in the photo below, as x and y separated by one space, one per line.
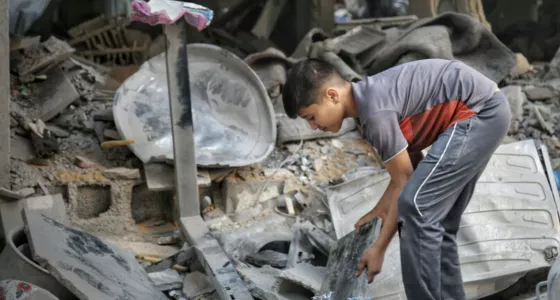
380 210
373 260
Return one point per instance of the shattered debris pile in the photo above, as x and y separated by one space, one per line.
285 221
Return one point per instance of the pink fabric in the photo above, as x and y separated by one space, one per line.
200 18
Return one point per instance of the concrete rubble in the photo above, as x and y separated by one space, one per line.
196 285
166 280
284 223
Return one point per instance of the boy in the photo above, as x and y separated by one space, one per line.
401 111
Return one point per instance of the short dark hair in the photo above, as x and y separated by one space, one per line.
303 83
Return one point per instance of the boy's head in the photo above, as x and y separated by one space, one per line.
315 91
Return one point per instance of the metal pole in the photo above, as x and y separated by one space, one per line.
187 198
215 262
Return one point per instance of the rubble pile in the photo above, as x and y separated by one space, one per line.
533 97
275 220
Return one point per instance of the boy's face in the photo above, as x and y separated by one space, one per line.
327 113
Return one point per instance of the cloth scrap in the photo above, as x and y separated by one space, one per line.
168 12
449 36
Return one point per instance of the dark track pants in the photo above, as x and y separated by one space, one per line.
435 197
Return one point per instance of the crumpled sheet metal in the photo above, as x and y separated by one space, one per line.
510 221
233 118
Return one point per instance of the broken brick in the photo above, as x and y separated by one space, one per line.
122 173
85 163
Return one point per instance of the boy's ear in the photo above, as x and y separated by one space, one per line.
332 94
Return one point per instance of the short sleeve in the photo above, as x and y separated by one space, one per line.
383 132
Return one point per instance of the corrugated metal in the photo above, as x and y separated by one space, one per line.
511 220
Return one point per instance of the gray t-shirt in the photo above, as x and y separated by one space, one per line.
409 105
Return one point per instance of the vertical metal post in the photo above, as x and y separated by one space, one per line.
4 96
216 264
187 199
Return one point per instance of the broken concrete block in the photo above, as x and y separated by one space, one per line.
111 134
308 276
261 282
104 115
21 148
26 192
161 177
318 238
267 258
538 93
50 205
40 57
301 248
167 280
196 285
344 259
516 98
241 195
57 94
122 173
16 195
99 128
57 131
83 263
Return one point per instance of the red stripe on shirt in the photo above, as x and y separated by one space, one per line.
422 129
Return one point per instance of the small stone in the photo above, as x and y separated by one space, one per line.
304 168
85 163
197 284
290 186
57 131
318 164
521 67
324 150
300 198
338 144
111 134
539 93
304 275
122 173
89 125
167 240
292 147
304 161
104 115
269 193
167 280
